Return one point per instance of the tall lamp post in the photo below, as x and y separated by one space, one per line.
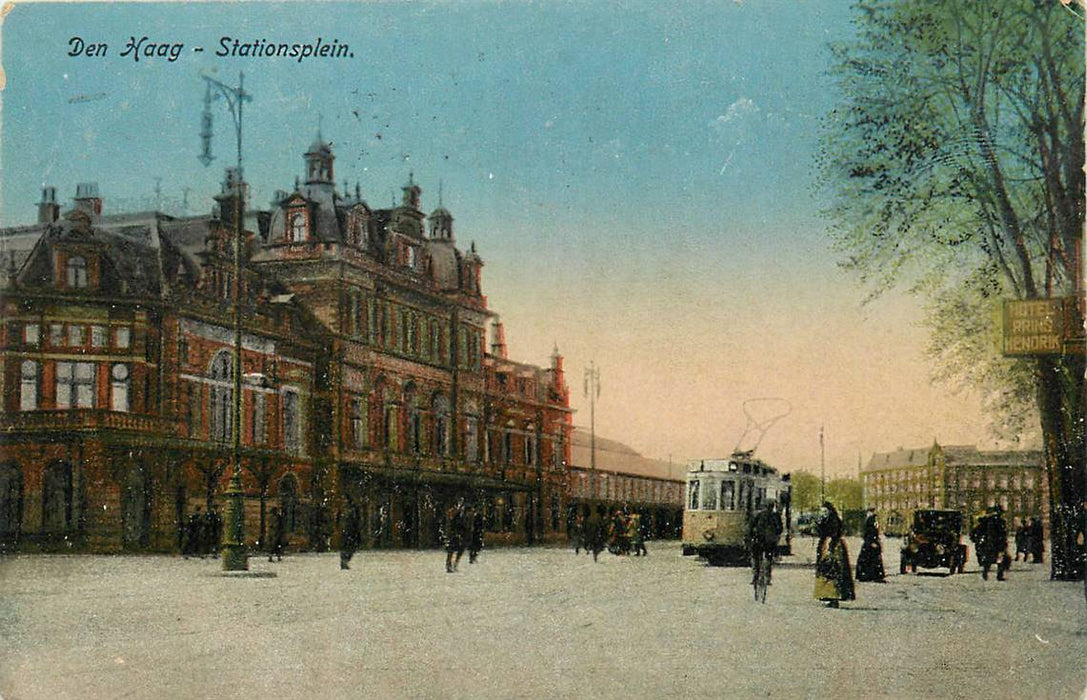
822 468
592 390
234 554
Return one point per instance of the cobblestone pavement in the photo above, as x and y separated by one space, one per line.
525 623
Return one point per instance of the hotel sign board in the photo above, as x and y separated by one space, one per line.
1038 327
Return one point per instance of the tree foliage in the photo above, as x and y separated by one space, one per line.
955 160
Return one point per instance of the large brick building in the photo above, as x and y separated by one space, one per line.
366 363
957 477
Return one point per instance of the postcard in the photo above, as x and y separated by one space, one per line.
619 349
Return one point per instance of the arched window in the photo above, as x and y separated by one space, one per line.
530 446
298 227
28 387
11 501
358 423
435 342
119 381
221 419
441 425
471 436
57 498
136 508
292 421
77 272
414 422
288 502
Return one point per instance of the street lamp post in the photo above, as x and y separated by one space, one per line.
234 554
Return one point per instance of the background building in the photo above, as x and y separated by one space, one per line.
624 478
957 477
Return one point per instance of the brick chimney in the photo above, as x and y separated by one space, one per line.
558 375
48 209
498 344
87 198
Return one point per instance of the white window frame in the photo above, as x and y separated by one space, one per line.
120 383
28 385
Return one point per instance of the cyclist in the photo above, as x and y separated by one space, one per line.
763 534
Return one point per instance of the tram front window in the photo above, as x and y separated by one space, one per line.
728 495
692 495
709 498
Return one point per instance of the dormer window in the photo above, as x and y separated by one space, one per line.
77 272
298 227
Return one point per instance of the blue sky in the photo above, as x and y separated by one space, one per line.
637 177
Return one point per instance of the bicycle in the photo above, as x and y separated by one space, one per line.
761 567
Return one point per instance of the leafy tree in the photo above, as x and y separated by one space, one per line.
846 494
806 492
956 162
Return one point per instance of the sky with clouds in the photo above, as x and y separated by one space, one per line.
636 175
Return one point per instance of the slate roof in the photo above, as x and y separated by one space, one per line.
968 455
614 456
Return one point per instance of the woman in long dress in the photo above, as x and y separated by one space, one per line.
833 575
870 559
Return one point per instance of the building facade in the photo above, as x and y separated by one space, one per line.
622 478
117 382
956 477
368 376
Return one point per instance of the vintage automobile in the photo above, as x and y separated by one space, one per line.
934 541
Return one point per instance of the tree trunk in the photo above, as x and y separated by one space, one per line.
1064 464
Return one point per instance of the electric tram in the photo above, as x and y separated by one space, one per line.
722 496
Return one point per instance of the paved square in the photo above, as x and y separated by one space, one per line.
524 623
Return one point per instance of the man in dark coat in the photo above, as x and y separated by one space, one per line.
454 536
193 539
763 534
278 540
1037 541
870 559
596 531
475 543
349 534
209 540
990 537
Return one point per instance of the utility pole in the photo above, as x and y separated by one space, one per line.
822 468
592 390
234 554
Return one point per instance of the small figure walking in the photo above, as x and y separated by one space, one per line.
870 559
349 534
193 540
1037 541
990 538
278 540
833 574
595 533
475 545
577 534
454 536
209 540
1022 540
637 535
